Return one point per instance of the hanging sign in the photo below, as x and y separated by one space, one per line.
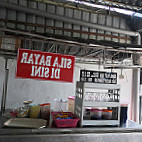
43 65
98 77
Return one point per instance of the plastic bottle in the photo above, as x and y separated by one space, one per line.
63 105
57 105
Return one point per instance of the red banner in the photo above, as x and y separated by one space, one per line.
43 65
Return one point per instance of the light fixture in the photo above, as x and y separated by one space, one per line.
121 76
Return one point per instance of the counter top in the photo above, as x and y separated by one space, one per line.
131 126
131 132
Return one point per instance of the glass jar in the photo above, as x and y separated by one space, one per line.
24 111
45 111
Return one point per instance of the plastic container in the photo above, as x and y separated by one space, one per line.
68 123
96 113
63 105
23 112
57 105
71 104
34 111
106 114
87 111
45 111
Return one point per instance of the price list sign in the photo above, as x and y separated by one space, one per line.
98 77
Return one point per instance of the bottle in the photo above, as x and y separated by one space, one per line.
63 105
57 105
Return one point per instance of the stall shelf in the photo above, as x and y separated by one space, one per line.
94 95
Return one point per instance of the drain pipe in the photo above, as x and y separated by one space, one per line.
4 95
138 39
65 19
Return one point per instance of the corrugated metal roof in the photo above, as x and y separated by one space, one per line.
127 4
65 37
124 4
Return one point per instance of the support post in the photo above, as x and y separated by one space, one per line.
135 89
4 95
135 95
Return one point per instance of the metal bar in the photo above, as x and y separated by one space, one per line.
82 62
73 43
94 53
65 19
119 66
68 30
65 49
114 55
90 51
79 50
69 49
42 46
51 47
140 109
46 46
42 37
56 48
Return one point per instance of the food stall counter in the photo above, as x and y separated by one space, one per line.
98 134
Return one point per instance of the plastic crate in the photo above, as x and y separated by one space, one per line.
70 123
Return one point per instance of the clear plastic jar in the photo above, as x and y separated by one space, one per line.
35 111
63 105
106 114
96 113
24 111
57 105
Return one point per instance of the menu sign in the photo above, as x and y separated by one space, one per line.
43 65
98 77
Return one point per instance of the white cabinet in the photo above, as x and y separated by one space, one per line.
102 96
